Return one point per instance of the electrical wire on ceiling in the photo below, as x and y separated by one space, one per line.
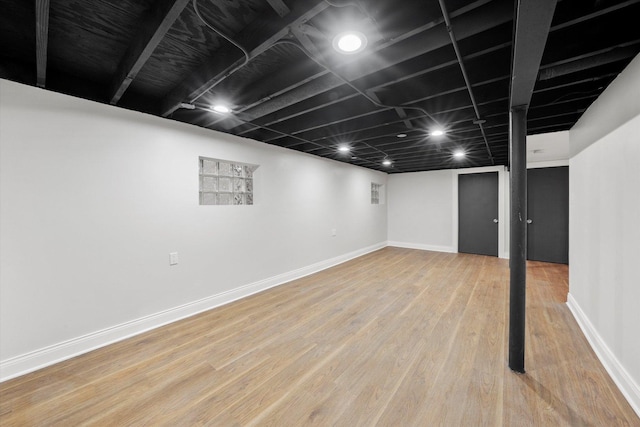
247 56
355 4
217 31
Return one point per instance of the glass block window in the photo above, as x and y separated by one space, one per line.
224 182
377 195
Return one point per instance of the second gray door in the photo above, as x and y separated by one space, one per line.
548 214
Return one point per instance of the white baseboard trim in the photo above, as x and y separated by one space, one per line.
32 361
618 374
422 247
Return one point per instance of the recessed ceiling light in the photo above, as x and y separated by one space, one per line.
401 135
458 154
350 42
344 148
386 162
220 108
437 132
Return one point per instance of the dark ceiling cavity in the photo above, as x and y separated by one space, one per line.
426 64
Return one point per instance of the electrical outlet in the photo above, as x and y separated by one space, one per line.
173 258
334 232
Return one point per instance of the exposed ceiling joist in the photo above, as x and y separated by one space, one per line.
533 21
153 28
42 41
256 38
280 7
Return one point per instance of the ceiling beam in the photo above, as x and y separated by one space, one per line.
161 17
42 41
256 38
280 7
533 20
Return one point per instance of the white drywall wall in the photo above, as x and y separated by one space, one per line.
94 198
420 209
604 242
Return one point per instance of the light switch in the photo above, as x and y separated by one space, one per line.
173 258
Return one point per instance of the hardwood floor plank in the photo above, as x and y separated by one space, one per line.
395 337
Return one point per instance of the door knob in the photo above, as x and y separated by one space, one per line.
495 220
529 221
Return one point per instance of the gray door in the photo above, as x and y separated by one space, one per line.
478 213
548 214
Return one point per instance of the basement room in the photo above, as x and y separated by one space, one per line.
320 212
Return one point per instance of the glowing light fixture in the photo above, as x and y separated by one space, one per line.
437 132
401 135
386 162
459 154
344 149
221 108
350 42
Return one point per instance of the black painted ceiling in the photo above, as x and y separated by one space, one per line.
291 88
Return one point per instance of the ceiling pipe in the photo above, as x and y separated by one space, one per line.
479 121
614 55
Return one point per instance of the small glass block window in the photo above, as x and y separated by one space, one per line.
224 182
377 196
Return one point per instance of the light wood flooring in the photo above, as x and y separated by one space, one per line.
397 337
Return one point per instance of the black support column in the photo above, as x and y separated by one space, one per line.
531 28
518 236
